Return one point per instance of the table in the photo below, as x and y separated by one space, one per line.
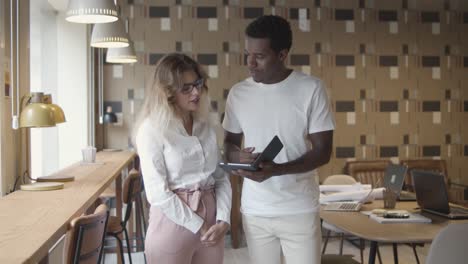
32 222
362 226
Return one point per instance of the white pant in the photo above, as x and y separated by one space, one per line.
299 237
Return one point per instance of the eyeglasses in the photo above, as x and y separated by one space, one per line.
188 87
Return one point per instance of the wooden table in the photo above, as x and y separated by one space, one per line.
32 222
362 226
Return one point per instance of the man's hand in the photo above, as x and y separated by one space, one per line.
243 156
267 170
215 234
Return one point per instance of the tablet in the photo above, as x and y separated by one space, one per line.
269 154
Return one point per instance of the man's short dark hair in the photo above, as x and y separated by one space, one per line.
275 28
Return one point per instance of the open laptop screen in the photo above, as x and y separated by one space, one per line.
431 192
395 177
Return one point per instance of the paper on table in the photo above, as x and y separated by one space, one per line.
344 187
352 196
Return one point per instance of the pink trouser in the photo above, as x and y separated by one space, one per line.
169 243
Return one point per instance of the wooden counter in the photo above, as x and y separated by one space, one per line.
32 222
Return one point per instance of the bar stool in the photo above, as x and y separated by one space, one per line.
133 186
87 234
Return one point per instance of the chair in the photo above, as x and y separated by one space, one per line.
108 195
449 246
133 186
87 237
439 166
337 180
368 171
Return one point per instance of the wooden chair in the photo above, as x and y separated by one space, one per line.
87 237
141 206
133 186
439 166
449 246
367 171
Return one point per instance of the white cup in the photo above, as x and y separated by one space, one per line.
89 154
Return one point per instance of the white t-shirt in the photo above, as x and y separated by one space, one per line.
290 109
178 160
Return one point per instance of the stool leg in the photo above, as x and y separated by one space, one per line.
129 247
378 255
361 249
341 243
415 252
395 253
326 242
121 249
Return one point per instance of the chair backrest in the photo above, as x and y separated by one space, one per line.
368 171
450 245
87 237
133 185
439 166
339 179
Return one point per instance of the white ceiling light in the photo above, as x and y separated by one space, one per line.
109 35
91 11
121 55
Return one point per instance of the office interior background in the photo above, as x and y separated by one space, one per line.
395 71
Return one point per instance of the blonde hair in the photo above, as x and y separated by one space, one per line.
159 103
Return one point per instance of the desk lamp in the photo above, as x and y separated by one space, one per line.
41 112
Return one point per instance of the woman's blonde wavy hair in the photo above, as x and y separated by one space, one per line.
159 103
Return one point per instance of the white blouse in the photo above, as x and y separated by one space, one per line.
177 160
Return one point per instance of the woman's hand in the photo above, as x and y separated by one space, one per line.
215 234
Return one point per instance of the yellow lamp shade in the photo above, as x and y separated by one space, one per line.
59 115
37 115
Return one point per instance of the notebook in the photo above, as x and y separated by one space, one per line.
394 179
432 197
270 152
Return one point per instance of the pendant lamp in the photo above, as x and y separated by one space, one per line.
109 35
121 55
91 11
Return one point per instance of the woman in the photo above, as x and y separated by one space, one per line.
190 196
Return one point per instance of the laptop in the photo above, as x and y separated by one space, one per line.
394 179
343 206
432 197
270 152
348 206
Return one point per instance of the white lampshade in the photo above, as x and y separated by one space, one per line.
91 11
121 55
109 35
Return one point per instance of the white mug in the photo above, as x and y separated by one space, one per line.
89 154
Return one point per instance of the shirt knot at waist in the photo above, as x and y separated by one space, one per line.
192 196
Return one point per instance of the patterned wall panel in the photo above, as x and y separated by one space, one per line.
395 70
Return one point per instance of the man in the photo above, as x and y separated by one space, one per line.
280 202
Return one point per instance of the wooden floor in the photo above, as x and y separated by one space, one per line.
241 255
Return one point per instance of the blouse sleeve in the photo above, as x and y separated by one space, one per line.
223 194
154 172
